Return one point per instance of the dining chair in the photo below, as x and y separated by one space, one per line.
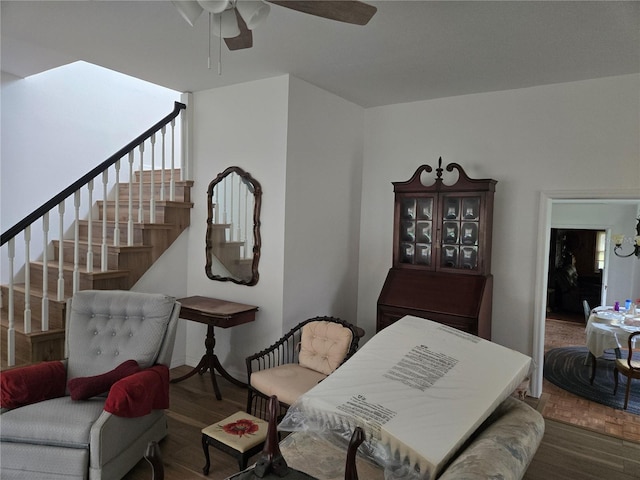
629 367
587 310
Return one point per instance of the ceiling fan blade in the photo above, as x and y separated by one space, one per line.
348 11
242 41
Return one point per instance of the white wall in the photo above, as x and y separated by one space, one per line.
77 116
57 126
246 126
322 212
573 136
304 146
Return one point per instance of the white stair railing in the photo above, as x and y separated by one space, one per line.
83 208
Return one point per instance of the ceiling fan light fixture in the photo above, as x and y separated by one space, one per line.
189 9
214 6
252 11
225 24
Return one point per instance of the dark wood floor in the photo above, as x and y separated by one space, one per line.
566 452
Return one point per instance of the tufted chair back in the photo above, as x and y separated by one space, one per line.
106 328
324 346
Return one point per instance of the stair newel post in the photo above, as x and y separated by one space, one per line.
130 206
172 179
90 227
116 229
162 183
152 201
11 331
27 279
76 241
45 272
61 252
103 246
140 197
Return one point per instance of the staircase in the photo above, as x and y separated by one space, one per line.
109 246
125 265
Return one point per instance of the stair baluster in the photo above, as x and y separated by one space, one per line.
152 198
76 242
27 280
130 202
140 197
45 273
61 252
89 228
104 251
116 228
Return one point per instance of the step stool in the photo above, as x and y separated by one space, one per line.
241 435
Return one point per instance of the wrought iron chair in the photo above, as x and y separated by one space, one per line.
306 355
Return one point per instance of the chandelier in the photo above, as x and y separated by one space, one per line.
620 239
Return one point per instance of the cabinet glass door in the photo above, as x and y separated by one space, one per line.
416 230
460 228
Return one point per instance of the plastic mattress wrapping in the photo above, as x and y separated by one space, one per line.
418 388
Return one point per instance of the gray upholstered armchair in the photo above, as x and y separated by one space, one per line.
92 415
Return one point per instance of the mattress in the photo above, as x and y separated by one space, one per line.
418 388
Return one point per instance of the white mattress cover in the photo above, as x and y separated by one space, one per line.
424 424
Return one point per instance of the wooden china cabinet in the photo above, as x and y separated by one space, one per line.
441 252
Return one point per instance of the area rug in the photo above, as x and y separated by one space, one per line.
565 367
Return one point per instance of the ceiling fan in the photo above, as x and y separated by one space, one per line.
233 20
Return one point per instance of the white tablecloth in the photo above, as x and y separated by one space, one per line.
607 329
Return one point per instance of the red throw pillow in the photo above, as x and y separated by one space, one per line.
82 388
32 384
137 395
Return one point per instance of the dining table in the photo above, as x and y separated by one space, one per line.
609 329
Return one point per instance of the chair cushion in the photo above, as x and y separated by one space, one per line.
82 388
59 422
324 345
25 385
287 381
108 327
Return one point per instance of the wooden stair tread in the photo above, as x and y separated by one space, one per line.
18 327
144 225
146 203
68 267
97 244
35 291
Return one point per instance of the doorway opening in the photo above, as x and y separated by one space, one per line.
576 265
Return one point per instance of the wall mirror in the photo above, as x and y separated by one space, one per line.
233 227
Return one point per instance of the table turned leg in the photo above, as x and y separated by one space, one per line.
209 361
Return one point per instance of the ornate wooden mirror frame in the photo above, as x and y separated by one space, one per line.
233 227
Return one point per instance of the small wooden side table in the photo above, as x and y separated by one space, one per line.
214 313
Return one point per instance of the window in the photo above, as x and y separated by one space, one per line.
600 244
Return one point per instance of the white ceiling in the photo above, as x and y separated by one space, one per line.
411 50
